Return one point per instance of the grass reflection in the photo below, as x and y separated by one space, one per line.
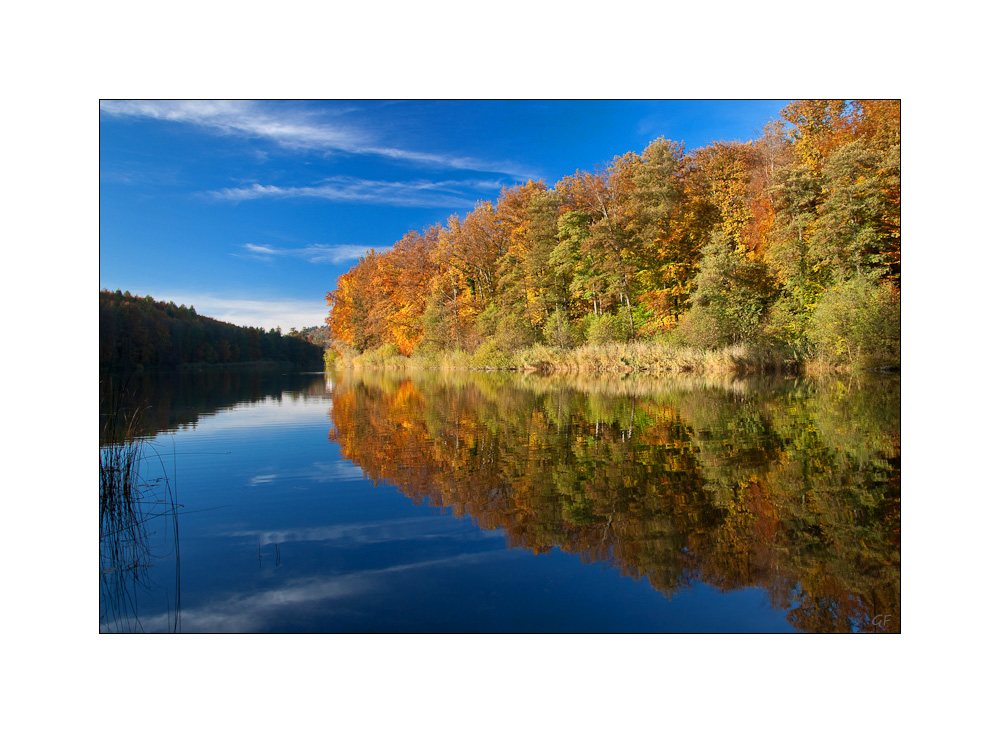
134 491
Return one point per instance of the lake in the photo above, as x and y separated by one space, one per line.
423 501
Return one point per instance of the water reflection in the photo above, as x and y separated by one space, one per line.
791 486
135 494
169 400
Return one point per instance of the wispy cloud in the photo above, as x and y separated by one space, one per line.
260 249
396 530
419 193
289 127
294 127
267 314
263 479
328 254
248 612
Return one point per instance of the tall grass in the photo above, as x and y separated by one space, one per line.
130 499
653 357
615 357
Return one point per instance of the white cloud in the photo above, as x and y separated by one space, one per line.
251 611
329 254
260 249
393 530
420 193
263 479
267 314
292 127
335 253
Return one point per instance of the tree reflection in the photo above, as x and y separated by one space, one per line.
170 400
790 486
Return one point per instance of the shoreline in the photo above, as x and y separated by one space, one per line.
611 358
199 366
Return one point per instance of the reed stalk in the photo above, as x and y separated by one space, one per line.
129 500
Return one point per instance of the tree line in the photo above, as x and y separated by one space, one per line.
792 239
136 330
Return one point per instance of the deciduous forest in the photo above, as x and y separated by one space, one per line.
789 244
136 330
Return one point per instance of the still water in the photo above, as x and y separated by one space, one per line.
379 501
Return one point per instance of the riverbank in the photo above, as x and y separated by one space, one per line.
615 357
250 365
203 365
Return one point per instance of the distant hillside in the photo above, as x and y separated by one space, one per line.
136 330
319 335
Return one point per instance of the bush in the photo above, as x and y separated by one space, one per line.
345 351
559 330
386 355
510 332
644 319
606 328
857 323
489 355
785 325
514 333
701 329
386 351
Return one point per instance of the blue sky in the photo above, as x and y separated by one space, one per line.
250 210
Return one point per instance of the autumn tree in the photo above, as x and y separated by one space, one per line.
352 316
406 273
672 225
454 300
837 205
529 219
613 244
576 269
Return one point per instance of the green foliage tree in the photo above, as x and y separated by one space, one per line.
559 330
732 294
577 269
674 221
858 323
